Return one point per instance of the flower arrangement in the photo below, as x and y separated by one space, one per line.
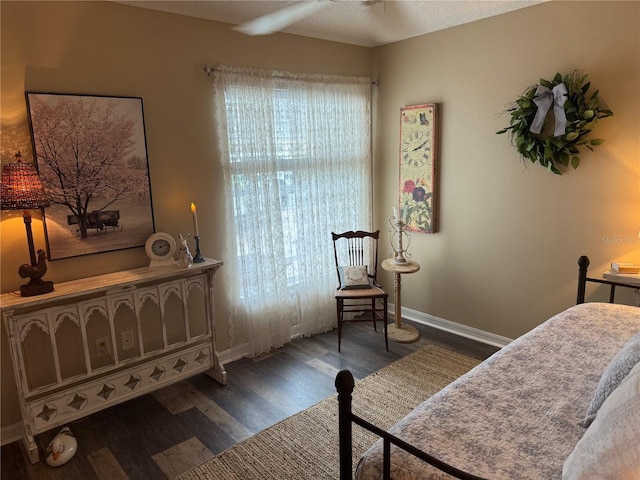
417 205
575 113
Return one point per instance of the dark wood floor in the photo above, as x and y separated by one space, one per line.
162 434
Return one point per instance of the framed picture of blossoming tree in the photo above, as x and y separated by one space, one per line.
419 166
91 156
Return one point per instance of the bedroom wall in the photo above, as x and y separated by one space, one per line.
112 49
505 258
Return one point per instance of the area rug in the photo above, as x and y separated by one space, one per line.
305 446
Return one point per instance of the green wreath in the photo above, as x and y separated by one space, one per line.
556 150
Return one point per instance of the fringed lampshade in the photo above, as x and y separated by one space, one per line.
21 189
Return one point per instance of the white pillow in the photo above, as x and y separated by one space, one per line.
354 276
610 448
616 371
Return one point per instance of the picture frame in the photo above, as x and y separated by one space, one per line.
91 156
419 167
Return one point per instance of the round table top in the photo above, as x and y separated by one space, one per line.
407 267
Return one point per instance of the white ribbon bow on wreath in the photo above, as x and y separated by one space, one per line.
543 98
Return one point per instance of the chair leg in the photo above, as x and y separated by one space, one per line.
339 307
373 314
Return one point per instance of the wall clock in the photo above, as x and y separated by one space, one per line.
160 248
418 166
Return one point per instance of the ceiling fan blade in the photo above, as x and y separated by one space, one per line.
272 22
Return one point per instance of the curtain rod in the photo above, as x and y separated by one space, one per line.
208 69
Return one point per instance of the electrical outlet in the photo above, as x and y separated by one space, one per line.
127 340
102 346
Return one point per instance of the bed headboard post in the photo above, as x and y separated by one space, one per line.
583 264
344 386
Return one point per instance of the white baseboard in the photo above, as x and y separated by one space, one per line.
453 327
13 432
241 351
234 353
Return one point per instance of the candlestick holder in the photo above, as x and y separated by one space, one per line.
396 240
197 258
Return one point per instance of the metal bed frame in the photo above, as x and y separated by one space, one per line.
346 419
345 383
583 265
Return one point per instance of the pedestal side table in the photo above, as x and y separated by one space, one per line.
397 331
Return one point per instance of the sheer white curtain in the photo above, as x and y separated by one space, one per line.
296 156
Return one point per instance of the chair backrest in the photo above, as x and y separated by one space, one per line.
357 248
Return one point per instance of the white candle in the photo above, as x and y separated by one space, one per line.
195 219
395 212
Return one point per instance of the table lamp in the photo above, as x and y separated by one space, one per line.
397 224
21 189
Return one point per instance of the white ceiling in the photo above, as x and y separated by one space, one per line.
357 22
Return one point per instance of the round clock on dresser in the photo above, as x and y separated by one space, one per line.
160 248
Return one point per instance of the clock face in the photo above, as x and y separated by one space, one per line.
416 149
160 247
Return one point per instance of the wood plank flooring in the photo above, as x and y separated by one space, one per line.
160 435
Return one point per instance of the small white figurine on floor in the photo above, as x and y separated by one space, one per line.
186 259
62 448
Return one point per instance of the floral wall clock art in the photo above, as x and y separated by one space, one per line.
418 167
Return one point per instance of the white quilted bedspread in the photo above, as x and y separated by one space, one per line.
517 414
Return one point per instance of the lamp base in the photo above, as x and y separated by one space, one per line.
36 287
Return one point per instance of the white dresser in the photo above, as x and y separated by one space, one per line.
98 341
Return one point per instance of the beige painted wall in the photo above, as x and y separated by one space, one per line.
506 255
505 258
112 49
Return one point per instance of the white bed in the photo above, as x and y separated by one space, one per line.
518 414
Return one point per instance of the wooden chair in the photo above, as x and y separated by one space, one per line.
359 298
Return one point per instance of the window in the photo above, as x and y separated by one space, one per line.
296 155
